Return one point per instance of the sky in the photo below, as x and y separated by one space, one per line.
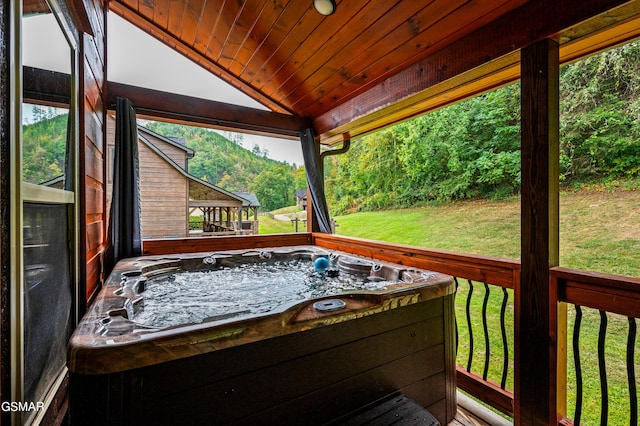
138 59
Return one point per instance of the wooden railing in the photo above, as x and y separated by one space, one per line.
203 244
485 348
616 301
489 277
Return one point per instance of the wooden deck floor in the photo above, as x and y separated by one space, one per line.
465 418
470 413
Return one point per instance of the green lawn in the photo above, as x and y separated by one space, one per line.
599 231
269 225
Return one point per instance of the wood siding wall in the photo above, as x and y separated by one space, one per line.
177 155
163 189
92 77
164 197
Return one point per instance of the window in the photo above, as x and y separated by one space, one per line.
44 272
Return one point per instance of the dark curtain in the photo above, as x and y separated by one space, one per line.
315 180
124 222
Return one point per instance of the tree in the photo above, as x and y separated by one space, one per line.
218 160
300 178
599 116
274 187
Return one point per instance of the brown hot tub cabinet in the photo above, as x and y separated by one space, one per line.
292 365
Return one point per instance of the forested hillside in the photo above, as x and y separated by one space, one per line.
44 146
217 159
472 149
231 166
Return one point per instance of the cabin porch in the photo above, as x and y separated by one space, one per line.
487 45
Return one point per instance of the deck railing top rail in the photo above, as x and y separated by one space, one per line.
501 272
606 292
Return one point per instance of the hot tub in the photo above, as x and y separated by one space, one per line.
311 358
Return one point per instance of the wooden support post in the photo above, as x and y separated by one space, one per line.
310 215
535 350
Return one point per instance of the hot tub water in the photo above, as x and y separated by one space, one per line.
252 288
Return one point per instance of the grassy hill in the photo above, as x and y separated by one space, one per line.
599 230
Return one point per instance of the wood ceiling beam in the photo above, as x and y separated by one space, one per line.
164 106
46 87
188 51
483 60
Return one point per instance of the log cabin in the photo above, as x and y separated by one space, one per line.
326 78
169 194
301 199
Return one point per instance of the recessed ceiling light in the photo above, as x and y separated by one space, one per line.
325 7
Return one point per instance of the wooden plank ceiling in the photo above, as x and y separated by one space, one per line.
295 61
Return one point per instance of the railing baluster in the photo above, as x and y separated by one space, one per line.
469 325
505 347
487 351
631 375
604 393
484 385
576 361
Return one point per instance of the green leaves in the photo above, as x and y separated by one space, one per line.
274 187
44 146
472 149
225 163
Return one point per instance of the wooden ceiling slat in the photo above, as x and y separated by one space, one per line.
146 9
161 13
176 13
191 20
204 33
431 26
507 34
30 7
345 54
259 70
367 56
446 33
227 19
239 34
204 61
131 4
302 49
269 21
365 67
